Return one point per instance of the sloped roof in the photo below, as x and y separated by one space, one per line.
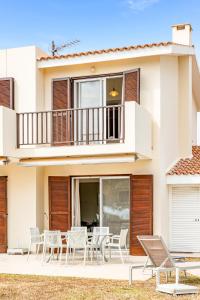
188 166
110 50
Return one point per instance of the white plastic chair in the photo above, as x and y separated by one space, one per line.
98 240
36 239
77 240
119 242
52 241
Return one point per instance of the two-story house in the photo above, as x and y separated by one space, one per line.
88 138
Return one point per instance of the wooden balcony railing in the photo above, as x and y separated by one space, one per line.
76 126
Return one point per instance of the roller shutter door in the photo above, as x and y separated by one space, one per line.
185 219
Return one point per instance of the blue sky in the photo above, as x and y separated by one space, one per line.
97 23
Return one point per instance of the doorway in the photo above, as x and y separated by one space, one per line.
97 103
89 202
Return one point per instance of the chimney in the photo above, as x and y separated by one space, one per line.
182 34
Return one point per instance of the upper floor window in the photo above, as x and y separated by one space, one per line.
7 92
98 92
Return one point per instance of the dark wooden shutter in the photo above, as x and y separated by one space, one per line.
132 85
141 210
61 120
3 214
59 203
7 92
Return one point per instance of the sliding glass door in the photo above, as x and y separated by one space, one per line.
108 202
115 203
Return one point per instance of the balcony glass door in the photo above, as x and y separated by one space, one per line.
90 94
88 118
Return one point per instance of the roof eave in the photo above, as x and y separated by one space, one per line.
135 53
183 179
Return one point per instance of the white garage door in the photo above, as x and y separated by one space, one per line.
185 219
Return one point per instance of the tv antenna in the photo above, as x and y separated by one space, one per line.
55 49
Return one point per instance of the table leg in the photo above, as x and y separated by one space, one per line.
177 275
103 252
130 275
157 277
50 256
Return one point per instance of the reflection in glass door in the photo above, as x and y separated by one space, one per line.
89 101
115 204
90 93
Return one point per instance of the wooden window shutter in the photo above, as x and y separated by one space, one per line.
3 214
132 85
61 99
59 203
7 92
141 210
61 93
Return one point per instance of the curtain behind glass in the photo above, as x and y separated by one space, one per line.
77 210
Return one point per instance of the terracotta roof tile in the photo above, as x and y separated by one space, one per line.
188 166
110 50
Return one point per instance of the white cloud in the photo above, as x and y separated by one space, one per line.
139 5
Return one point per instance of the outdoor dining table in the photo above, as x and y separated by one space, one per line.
64 235
90 235
101 245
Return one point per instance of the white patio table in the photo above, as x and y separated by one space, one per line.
90 235
101 244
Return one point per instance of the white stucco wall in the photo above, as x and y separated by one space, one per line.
20 63
169 133
185 106
21 188
8 136
194 122
40 198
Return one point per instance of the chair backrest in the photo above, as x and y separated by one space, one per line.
156 249
52 238
101 230
82 228
123 238
35 235
76 239
99 234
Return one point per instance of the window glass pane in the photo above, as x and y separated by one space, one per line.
90 94
116 84
116 204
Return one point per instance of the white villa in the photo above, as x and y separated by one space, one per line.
101 138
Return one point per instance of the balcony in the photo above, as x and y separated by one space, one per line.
81 126
113 133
